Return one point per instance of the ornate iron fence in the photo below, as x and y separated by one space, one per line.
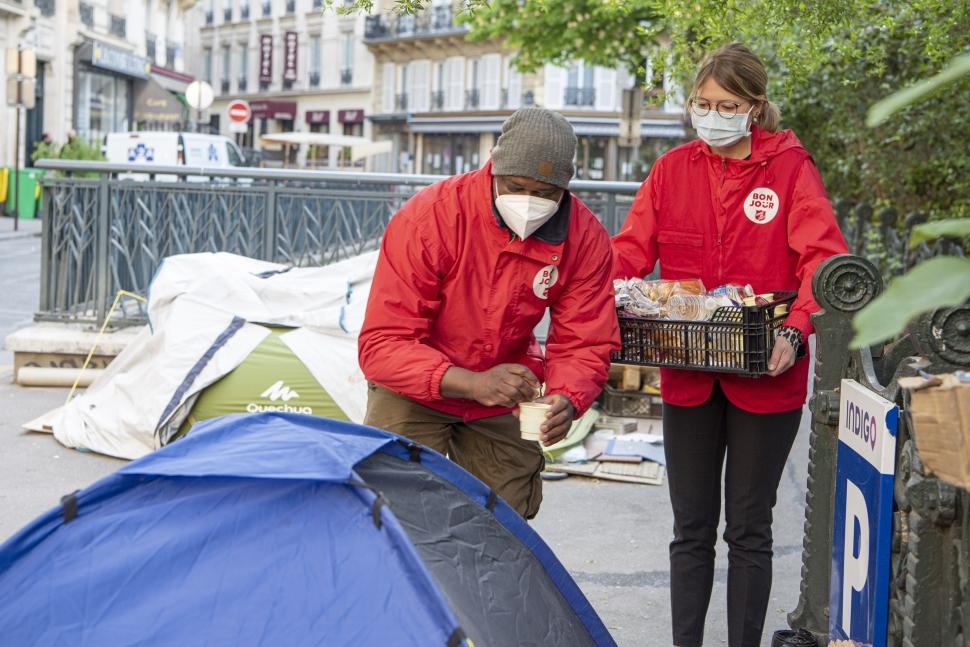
107 234
930 566
882 237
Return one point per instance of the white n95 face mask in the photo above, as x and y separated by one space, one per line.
717 131
524 214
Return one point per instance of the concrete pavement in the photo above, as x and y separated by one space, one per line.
611 536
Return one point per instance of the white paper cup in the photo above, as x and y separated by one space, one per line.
531 417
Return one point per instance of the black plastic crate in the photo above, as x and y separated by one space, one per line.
737 339
630 404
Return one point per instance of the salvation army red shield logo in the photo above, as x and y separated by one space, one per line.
761 206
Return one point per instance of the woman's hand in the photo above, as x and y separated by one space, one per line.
782 357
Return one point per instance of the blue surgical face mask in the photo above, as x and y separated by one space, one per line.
718 131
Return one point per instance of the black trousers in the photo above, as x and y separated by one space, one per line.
756 446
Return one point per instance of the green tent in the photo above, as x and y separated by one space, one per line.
271 378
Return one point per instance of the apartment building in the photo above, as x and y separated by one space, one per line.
299 67
103 66
441 100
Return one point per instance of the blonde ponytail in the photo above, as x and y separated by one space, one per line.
769 117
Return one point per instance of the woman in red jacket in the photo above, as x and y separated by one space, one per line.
743 204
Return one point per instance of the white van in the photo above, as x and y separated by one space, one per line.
159 148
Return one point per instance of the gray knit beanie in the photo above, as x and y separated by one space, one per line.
536 143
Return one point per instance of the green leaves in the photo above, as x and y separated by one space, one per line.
938 283
880 112
938 229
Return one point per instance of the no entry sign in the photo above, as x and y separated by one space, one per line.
239 112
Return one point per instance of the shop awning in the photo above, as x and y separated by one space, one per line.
156 104
361 147
170 79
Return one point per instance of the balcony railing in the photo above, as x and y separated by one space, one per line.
87 15
429 23
347 76
227 14
401 102
438 100
314 79
225 86
472 99
580 96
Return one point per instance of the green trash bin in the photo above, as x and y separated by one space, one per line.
29 197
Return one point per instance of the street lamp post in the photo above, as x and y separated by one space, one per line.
21 72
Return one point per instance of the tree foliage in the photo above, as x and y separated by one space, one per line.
828 60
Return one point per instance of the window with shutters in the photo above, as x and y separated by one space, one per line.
512 92
387 87
243 80
419 92
226 66
455 84
207 65
491 69
554 79
606 86
315 55
401 101
580 86
438 93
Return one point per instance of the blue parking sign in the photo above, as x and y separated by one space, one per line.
862 535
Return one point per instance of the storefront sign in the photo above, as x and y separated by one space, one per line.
350 116
862 537
317 117
273 109
266 58
155 104
118 60
289 56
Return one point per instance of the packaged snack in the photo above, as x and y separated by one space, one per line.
736 293
689 307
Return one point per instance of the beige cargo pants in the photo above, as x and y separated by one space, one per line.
490 448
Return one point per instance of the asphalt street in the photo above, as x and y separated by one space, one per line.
612 537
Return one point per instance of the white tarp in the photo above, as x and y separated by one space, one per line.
203 310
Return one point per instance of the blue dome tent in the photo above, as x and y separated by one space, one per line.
283 529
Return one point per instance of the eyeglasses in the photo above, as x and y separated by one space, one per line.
727 109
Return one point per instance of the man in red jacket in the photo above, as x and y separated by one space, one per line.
467 269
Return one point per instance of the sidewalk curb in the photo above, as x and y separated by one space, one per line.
14 235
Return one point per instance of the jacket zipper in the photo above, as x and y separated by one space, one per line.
717 224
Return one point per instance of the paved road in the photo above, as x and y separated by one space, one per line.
612 537
19 284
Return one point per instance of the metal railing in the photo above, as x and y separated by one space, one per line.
930 548
103 234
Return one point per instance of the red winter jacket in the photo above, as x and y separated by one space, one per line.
453 287
765 220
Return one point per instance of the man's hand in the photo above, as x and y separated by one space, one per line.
782 357
558 420
504 385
